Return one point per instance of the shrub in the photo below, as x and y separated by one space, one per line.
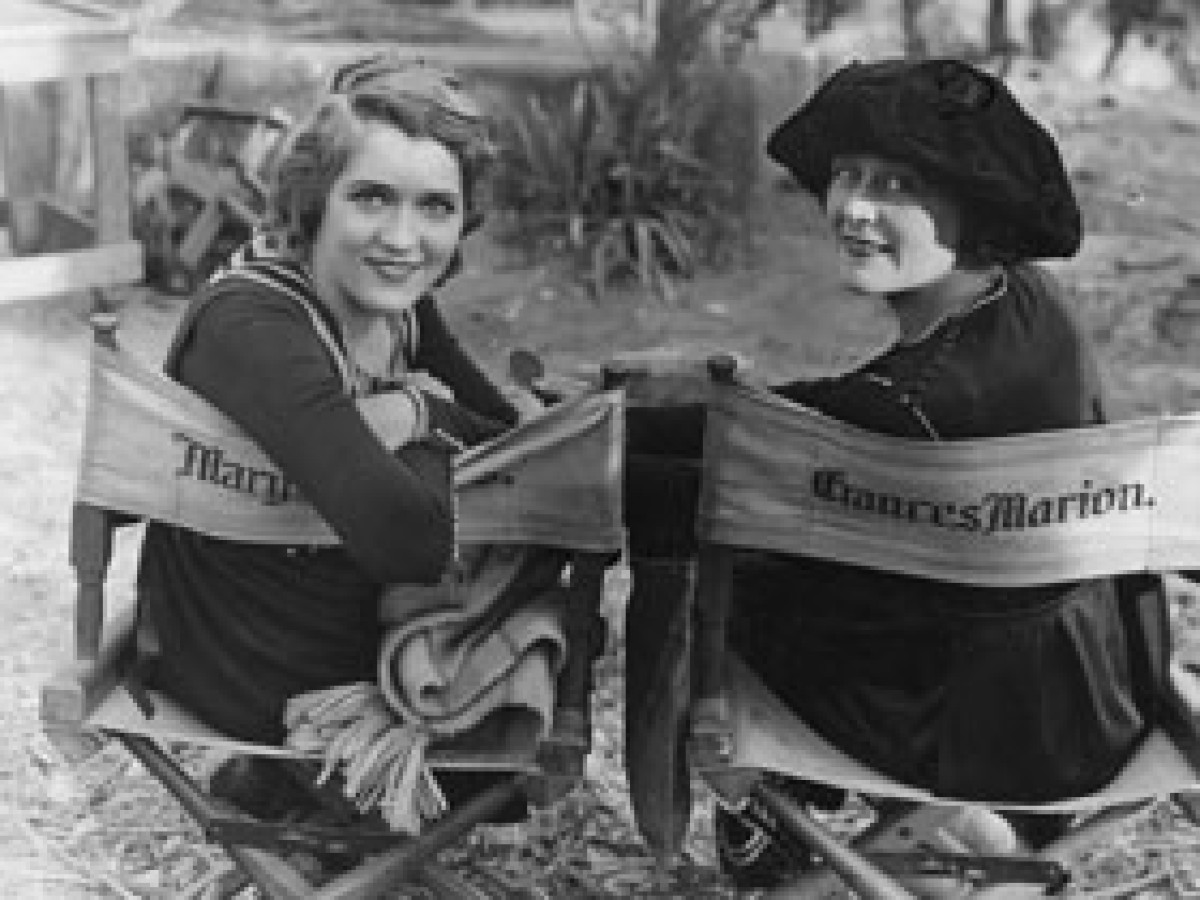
611 176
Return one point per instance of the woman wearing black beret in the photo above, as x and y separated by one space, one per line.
940 191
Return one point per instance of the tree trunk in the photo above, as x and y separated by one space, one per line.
915 46
998 41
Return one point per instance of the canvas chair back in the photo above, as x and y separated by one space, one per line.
1003 512
1013 511
1055 507
153 450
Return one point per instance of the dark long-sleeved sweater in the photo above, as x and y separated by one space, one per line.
1026 693
243 627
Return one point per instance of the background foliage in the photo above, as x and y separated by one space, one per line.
632 174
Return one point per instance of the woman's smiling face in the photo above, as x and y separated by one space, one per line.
894 231
391 225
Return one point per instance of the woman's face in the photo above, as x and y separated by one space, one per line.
894 232
392 221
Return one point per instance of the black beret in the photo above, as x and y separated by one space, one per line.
960 127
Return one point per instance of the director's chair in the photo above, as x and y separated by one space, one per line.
551 482
759 491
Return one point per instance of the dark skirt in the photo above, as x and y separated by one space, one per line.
1035 696
241 628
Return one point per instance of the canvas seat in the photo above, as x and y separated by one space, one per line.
761 456
551 482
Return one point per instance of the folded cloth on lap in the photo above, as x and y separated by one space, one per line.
471 662
491 646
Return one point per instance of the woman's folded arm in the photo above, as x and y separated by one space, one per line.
256 358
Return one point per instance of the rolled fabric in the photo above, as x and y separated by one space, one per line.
471 662
489 643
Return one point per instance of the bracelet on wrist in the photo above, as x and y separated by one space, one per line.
420 411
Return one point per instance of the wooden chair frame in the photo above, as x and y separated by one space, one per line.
863 864
860 864
262 850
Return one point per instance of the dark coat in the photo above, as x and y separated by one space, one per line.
1022 694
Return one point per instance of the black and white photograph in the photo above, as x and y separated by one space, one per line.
553 449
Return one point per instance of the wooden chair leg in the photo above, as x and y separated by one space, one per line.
856 871
378 874
931 850
90 554
278 878
563 754
658 662
711 742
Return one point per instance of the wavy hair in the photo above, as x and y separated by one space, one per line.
418 99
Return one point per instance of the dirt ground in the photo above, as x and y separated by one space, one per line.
105 830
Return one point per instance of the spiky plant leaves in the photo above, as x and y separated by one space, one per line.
611 173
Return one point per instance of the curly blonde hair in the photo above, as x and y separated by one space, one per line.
418 99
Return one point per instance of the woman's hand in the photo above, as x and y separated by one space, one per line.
395 417
423 381
524 401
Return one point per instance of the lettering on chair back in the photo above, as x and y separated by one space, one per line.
208 463
153 449
988 514
1027 509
